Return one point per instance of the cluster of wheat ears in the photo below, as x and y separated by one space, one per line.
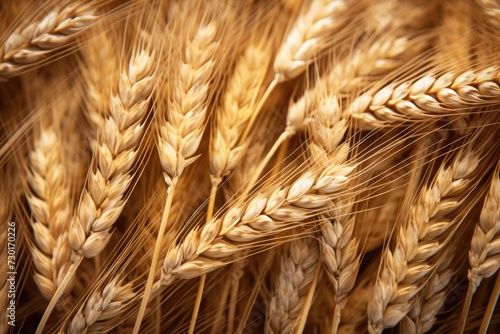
249 166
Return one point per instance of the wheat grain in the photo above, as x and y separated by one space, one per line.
291 286
405 268
29 45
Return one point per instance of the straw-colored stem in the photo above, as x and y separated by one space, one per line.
465 311
201 286
232 305
491 307
308 302
159 241
57 295
282 138
252 120
197 303
336 318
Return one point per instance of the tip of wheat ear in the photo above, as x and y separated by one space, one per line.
40 39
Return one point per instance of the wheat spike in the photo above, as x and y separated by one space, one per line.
47 195
180 133
482 257
311 33
405 268
116 154
422 315
291 286
430 97
29 45
101 306
111 174
204 249
236 109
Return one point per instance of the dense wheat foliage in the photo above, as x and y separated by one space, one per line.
249 166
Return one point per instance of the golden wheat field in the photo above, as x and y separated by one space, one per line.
249 166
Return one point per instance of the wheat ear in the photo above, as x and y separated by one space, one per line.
338 247
405 268
291 286
111 174
236 109
422 315
266 214
339 251
310 35
29 45
101 306
430 97
491 10
180 134
483 255
48 192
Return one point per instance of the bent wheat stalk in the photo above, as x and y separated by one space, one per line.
116 153
483 255
29 45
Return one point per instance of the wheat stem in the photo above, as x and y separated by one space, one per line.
256 112
154 261
76 260
490 309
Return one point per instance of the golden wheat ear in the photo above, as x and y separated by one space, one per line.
482 259
116 153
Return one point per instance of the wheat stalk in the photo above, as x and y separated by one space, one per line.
430 97
47 196
405 268
291 286
111 174
102 305
30 45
